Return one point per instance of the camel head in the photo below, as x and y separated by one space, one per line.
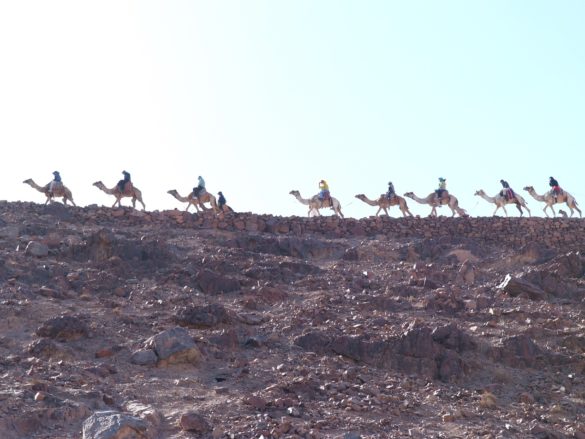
479 192
360 196
28 181
173 192
409 194
529 189
295 193
98 184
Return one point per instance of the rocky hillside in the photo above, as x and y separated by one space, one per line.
122 324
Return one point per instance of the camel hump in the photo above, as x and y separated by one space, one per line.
128 188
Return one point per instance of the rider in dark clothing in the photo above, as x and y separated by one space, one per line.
552 182
556 189
391 193
122 183
55 182
442 188
507 192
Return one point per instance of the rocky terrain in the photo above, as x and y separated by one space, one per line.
118 324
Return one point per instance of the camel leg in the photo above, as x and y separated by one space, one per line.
141 202
379 209
572 206
405 211
497 207
519 209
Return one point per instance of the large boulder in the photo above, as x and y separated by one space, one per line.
64 328
194 422
211 282
314 341
174 346
202 316
38 249
519 287
113 425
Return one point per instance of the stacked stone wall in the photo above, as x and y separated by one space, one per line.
514 232
563 233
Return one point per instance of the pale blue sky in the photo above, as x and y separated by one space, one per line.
261 97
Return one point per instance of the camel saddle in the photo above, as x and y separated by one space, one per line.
508 194
326 200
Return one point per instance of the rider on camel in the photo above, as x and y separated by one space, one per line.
391 193
55 183
323 190
200 186
122 183
556 189
442 188
507 191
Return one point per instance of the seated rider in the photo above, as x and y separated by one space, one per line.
391 193
507 191
442 188
55 183
122 183
556 189
221 201
323 190
200 186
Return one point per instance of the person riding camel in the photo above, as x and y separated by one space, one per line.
122 183
507 191
323 190
556 189
200 186
55 183
442 190
391 193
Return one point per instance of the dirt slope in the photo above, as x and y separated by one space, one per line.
189 332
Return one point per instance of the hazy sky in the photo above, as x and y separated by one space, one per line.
261 97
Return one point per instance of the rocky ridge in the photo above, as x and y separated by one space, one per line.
121 324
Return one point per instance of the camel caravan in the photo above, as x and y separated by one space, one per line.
199 197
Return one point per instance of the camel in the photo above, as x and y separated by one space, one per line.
315 203
384 203
550 200
59 190
501 201
129 191
191 199
431 199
